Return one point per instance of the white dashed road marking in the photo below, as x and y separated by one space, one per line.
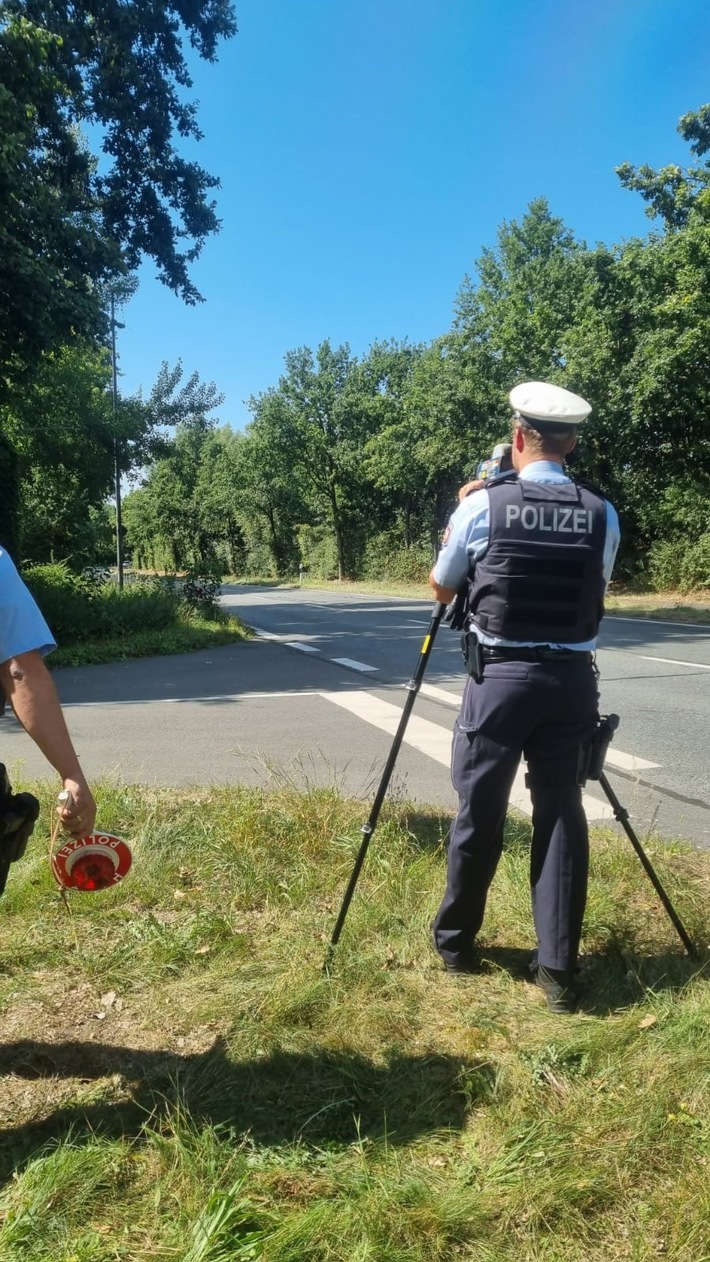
352 665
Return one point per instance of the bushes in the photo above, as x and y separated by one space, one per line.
386 558
680 564
318 551
82 607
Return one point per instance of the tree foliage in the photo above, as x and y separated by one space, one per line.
67 220
675 192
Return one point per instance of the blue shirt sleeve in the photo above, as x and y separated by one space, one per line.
465 539
611 542
22 627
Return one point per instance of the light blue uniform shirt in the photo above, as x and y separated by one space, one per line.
468 534
22 626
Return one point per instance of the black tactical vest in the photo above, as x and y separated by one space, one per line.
541 578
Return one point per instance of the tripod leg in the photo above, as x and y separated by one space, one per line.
368 829
622 815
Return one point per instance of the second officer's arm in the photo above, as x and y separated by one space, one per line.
465 538
30 690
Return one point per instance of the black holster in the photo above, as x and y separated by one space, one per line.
472 655
18 815
590 762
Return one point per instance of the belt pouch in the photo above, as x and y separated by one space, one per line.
472 655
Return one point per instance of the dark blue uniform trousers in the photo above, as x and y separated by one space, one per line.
543 711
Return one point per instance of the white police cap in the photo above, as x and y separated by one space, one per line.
539 401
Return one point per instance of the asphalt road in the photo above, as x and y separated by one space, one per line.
654 675
316 697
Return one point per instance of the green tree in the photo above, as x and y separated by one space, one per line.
167 517
527 295
272 494
640 354
421 452
68 221
675 192
317 417
60 425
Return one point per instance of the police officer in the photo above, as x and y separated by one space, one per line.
25 639
537 551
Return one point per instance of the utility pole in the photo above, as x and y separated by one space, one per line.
116 461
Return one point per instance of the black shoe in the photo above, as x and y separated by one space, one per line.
461 968
465 964
558 988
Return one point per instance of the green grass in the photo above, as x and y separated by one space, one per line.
182 1081
667 606
191 631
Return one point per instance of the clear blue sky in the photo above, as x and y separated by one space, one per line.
368 150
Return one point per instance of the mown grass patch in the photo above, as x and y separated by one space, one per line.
182 1081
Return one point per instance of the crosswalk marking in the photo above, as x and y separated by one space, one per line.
435 741
614 757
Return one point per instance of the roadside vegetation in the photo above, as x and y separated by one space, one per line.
182 1081
93 621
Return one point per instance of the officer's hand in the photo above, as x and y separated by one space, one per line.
78 812
469 487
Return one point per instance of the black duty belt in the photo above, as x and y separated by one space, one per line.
537 654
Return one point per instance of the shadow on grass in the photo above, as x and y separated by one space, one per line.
323 1098
615 979
429 830
611 980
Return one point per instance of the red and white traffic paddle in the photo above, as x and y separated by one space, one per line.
94 862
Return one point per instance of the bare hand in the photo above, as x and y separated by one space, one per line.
469 487
78 812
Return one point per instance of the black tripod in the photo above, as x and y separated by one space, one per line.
622 815
591 768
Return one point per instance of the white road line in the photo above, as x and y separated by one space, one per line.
672 661
440 694
658 622
287 641
222 696
348 661
628 762
435 742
